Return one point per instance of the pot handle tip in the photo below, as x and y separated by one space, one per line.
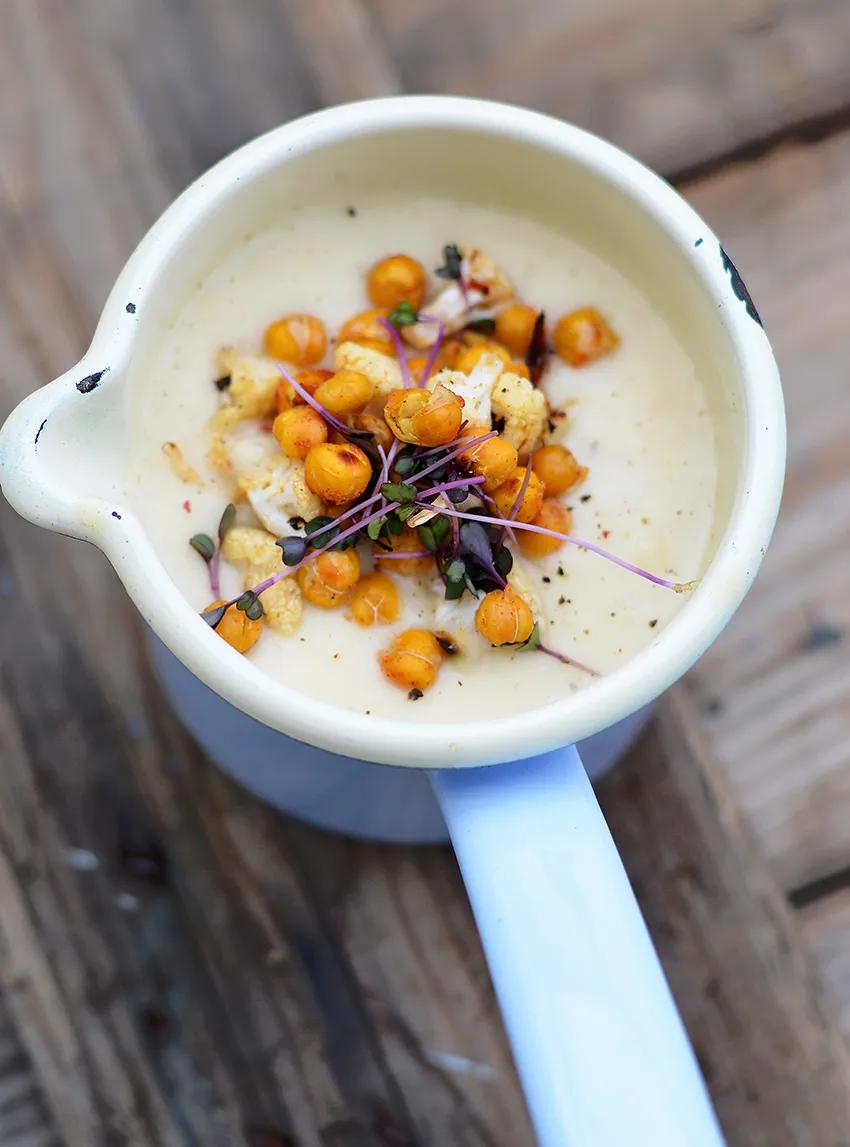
600 1049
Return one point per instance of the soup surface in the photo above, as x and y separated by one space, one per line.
637 418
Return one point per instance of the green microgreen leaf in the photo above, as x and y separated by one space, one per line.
456 570
374 528
434 533
204 545
213 616
398 492
293 549
503 560
483 326
405 512
318 523
395 523
533 641
403 315
404 464
451 268
227 522
250 605
454 590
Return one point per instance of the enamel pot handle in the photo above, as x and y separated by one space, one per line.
601 1051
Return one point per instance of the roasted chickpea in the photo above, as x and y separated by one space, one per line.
337 472
515 326
413 660
345 392
375 600
424 417
377 427
237 628
298 430
583 336
416 368
494 460
407 542
449 354
366 328
396 279
508 492
470 355
311 380
326 579
557 469
503 618
552 516
301 339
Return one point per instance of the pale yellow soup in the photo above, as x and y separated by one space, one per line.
638 419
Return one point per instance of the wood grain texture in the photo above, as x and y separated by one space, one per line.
180 965
775 690
678 82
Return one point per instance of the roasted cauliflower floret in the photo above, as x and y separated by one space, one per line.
523 582
474 388
523 408
255 551
278 494
483 284
253 385
381 369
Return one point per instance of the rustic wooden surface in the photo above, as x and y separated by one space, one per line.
178 964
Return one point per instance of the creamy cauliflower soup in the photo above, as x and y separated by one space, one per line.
364 437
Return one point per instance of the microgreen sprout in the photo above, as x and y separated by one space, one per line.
403 315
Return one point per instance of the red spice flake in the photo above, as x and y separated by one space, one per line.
606 533
187 506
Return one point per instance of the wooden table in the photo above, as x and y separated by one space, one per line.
178 964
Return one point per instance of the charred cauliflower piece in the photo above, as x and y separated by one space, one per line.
253 386
255 551
483 284
523 408
278 493
380 369
474 388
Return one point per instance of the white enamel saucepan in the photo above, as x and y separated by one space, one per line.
600 1048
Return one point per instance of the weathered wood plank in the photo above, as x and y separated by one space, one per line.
181 965
679 82
775 690
826 931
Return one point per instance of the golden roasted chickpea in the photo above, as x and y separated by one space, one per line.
375 600
424 417
298 429
367 329
416 368
236 627
583 336
301 339
326 579
552 516
504 618
375 425
449 353
413 660
345 392
508 492
407 542
470 355
515 326
311 380
337 472
494 460
396 279
557 469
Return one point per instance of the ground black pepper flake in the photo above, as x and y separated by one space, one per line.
130 308
653 623
561 600
415 694
351 211
546 579
584 498
91 381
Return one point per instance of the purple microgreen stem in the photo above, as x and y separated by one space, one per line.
214 567
508 528
431 361
401 352
526 478
565 660
311 401
380 557
470 444
443 486
677 587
